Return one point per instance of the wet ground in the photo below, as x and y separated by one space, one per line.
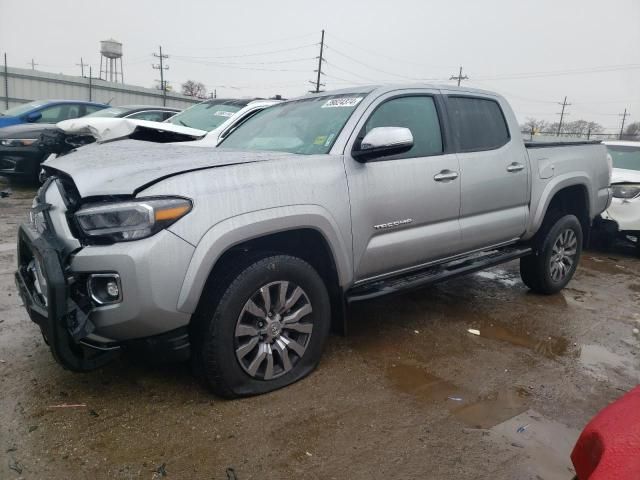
410 393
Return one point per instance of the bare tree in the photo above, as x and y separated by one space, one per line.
577 128
192 88
632 132
535 126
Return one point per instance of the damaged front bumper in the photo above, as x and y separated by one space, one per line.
45 289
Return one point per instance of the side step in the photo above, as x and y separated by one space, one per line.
438 273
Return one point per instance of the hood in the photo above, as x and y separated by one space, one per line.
621 175
6 121
109 129
128 166
25 130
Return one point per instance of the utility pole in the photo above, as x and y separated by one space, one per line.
6 84
215 93
624 117
33 64
90 84
319 70
459 78
81 65
564 105
162 68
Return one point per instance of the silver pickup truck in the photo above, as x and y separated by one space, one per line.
245 256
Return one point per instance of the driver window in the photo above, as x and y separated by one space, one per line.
51 114
419 115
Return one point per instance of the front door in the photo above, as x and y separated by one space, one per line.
404 207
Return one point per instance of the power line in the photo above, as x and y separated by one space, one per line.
239 66
564 105
256 54
351 73
162 68
348 57
578 71
394 58
319 70
257 44
459 77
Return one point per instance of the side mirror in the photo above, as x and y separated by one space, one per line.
382 142
34 117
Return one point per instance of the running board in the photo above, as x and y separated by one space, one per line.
438 273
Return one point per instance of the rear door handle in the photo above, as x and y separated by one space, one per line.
445 176
515 167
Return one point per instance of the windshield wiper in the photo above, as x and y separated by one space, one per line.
184 123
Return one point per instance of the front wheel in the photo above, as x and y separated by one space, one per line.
267 330
553 265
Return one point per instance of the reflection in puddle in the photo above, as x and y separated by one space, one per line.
501 276
484 412
419 383
548 346
597 360
494 408
605 265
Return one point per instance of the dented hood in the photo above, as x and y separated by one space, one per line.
109 129
126 167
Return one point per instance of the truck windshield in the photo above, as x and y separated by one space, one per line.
208 115
308 126
625 157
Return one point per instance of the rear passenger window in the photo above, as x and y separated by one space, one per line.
419 115
478 124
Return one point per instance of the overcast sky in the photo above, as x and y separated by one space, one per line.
533 52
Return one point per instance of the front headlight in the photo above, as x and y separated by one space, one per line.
625 191
18 142
132 220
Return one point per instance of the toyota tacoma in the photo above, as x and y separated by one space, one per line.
244 257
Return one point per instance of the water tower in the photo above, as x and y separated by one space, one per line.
110 54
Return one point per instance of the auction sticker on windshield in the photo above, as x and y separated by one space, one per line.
223 113
342 102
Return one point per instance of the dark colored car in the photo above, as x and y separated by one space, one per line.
21 152
48 111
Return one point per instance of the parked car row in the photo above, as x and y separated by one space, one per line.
243 253
20 146
25 146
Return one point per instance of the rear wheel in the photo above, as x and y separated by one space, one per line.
267 330
559 248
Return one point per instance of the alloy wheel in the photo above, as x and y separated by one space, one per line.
273 330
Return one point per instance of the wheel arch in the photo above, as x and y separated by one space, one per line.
306 231
569 194
571 197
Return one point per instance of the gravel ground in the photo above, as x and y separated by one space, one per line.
409 393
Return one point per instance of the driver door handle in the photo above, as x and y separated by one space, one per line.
515 167
445 176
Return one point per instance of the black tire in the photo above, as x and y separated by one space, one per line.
536 269
214 334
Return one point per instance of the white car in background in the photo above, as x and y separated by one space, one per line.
203 125
623 215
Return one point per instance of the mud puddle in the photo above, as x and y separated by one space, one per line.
420 384
524 336
599 362
483 412
608 265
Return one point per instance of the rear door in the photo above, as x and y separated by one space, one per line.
404 207
494 171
